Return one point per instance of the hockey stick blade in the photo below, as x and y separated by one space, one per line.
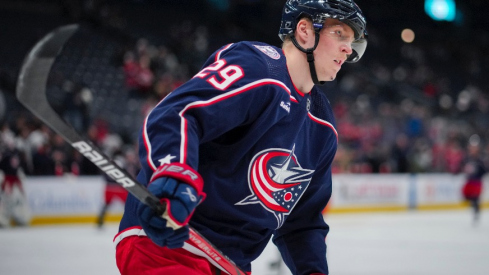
31 92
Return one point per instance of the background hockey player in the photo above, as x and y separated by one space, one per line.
113 191
13 201
474 169
243 150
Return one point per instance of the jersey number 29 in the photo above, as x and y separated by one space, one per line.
227 74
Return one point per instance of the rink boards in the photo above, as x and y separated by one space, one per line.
70 199
393 192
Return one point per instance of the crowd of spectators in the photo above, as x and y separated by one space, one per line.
407 116
414 108
41 152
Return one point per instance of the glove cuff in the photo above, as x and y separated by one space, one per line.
181 172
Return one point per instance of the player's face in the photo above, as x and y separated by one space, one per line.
333 48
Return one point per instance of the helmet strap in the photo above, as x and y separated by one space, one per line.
310 57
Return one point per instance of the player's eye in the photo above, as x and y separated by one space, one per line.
338 32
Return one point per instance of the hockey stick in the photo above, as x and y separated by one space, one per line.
31 92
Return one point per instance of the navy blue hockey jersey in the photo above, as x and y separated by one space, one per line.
263 148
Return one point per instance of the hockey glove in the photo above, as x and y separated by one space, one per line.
180 188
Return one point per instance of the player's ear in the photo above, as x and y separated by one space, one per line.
304 33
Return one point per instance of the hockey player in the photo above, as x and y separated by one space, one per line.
113 190
474 169
243 151
14 205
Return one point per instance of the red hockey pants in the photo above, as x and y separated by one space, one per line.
139 255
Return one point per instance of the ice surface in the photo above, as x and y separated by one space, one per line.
432 243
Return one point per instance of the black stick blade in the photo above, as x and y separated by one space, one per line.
33 77
41 57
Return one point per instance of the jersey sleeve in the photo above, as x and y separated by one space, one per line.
302 239
232 89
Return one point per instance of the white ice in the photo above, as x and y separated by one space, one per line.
432 243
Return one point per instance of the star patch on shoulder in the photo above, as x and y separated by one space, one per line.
269 50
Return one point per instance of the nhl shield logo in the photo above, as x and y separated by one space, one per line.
269 50
277 181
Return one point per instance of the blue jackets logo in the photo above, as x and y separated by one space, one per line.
277 182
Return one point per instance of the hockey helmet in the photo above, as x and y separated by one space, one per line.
347 11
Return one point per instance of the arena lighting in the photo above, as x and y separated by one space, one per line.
440 10
407 35
221 5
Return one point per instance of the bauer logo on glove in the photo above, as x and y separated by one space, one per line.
179 187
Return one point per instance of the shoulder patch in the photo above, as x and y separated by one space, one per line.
269 50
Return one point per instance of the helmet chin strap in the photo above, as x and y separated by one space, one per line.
310 57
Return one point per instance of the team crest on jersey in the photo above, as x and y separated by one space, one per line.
277 181
268 50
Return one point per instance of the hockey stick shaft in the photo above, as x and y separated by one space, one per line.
31 92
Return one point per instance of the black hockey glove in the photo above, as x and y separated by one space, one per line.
180 189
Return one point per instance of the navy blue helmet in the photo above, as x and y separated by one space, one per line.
347 11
